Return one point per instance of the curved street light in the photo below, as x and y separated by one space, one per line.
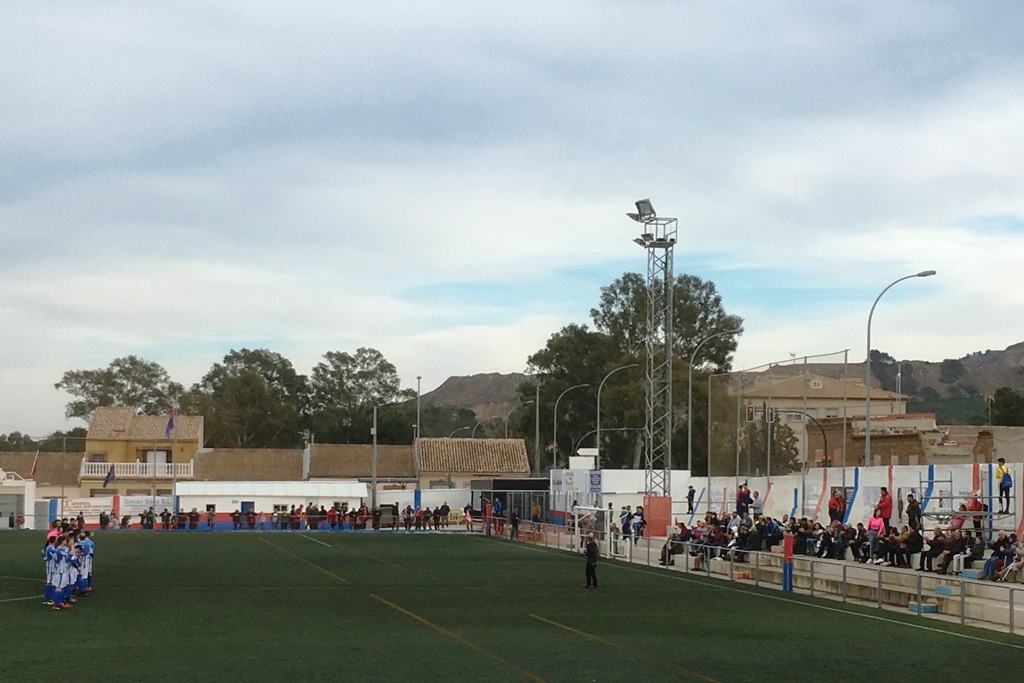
599 388
510 415
689 399
457 431
486 419
554 417
867 364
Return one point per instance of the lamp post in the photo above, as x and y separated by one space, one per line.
416 436
510 415
554 418
457 431
689 398
599 388
486 419
867 364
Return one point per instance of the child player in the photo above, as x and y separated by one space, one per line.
90 549
50 560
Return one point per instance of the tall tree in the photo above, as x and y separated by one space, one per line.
576 355
1007 408
697 312
785 455
253 399
344 389
141 385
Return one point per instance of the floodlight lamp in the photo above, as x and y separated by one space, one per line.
648 236
645 209
634 216
641 242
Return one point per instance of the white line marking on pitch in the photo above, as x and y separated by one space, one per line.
310 538
34 597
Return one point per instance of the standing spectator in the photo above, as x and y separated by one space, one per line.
332 518
913 513
165 519
876 531
974 505
836 507
689 500
639 524
445 511
535 512
1005 484
193 519
885 506
262 520
591 554
467 513
377 517
756 506
104 519
275 519
236 520
251 519
743 499
437 519
209 519
514 523
626 521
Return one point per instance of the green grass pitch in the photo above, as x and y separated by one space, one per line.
406 607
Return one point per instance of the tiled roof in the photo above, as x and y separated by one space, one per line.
474 456
248 464
352 461
53 469
122 424
827 388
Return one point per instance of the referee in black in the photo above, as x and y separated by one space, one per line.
591 554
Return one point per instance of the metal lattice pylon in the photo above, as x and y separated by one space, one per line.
659 239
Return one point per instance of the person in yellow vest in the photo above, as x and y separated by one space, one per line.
1005 482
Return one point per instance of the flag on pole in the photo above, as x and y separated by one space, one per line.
170 426
35 461
109 478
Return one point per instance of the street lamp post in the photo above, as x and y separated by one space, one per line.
599 388
510 415
416 437
486 419
457 431
554 417
689 397
867 364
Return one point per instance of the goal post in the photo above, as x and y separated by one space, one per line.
601 521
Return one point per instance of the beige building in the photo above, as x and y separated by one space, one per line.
454 463
799 400
145 458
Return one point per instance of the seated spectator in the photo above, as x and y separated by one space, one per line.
915 544
988 570
896 548
936 546
957 521
977 550
954 546
1016 564
958 561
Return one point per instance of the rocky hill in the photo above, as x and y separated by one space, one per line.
489 394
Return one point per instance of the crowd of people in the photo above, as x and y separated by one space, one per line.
68 562
948 550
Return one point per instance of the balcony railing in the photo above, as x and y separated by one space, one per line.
137 470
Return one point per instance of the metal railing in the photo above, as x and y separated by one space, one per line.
137 470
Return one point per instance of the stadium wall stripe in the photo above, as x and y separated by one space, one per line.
796 503
928 491
824 488
459 639
853 496
640 654
302 559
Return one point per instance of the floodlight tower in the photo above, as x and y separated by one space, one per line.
659 239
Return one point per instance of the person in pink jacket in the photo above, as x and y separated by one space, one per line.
876 529
885 505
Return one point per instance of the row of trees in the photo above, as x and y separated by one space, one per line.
256 398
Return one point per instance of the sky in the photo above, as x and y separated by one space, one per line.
447 182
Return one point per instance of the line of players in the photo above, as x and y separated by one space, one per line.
68 558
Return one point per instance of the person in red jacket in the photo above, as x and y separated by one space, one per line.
885 506
836 507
